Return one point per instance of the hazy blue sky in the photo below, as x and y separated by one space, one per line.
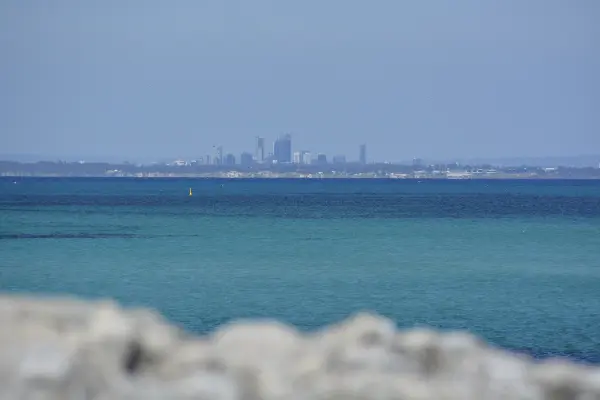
435 79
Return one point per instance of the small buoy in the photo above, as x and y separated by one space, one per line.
190 191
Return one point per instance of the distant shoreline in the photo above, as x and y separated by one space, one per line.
241 178
292 171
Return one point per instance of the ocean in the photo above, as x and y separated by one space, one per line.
516 262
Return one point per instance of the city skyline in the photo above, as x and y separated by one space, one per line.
283 152
414 80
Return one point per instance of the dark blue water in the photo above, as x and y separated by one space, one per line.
517 262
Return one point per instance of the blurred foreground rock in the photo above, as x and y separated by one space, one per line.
68 349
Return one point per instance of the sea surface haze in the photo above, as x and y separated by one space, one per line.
517 262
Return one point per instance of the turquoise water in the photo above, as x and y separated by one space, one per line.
517 262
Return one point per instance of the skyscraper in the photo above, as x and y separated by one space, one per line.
297 157
363 154
218 158
282 149
306 157
259 152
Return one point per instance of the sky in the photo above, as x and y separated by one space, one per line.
443 79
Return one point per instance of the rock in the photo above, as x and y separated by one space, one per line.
68 349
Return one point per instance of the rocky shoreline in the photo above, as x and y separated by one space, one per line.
64 348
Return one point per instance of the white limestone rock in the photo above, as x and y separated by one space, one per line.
67 349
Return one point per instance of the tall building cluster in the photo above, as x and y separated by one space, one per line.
282 153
